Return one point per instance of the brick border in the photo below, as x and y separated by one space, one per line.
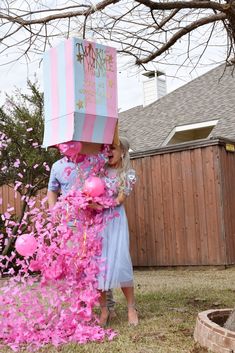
211 335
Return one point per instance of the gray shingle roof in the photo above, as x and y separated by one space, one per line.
208 97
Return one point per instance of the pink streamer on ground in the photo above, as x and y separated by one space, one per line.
56 306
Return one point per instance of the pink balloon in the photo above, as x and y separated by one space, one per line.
71 148
94 186
26 245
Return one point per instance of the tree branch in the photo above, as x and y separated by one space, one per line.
92 9
171 5
180 34
142 29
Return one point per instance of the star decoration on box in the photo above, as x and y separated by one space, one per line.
80 104
80 57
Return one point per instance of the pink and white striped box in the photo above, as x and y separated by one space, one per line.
80 93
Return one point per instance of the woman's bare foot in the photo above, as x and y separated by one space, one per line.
132 315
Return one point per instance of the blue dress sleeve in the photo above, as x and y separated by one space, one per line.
53 184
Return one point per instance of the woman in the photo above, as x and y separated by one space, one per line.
118 272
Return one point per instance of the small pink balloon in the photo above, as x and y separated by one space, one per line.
26 245
94 186
70 148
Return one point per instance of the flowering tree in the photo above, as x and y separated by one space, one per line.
24 163
144 30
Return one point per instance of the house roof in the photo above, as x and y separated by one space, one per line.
208 97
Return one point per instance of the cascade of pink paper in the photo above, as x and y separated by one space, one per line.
56 307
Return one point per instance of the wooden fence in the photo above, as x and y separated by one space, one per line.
181 209
10 198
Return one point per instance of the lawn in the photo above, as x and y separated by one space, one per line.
168 302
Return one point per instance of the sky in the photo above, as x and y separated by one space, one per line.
15 75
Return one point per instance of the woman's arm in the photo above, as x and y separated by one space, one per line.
121 198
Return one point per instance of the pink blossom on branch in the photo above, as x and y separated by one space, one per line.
16 163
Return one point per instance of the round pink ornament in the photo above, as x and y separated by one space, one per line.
94 186
26 245
71 148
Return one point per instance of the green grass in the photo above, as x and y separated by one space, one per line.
168 302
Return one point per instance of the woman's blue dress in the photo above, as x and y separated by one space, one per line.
118 269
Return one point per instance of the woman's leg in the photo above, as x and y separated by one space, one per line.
104 316
130 298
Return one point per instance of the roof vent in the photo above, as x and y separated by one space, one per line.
154 86
190 132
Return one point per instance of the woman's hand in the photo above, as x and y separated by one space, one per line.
96 206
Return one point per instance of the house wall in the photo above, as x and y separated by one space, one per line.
176 212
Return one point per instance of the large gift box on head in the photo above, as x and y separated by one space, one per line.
80 93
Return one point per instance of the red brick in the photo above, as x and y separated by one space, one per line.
210 335
219 330
230 334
